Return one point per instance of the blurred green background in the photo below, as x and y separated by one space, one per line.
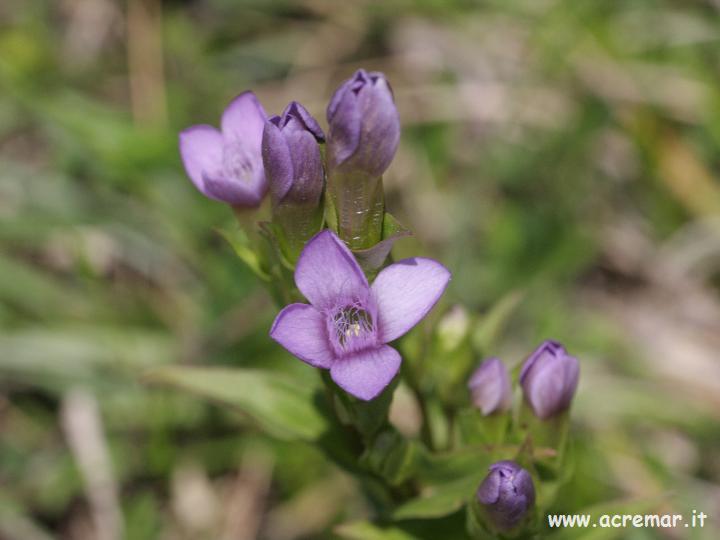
563 152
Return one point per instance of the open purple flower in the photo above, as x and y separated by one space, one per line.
549 379
226 164
506 495
490 387
348 323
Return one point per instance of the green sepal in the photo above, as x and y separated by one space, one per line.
480 526
280 270
359 206
373 258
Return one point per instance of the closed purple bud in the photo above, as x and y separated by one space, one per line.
226 164
490 387
364 124
294 169
362 141
506 495
549 379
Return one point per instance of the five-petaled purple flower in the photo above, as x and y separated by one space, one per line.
506 495
490 387
348 323
226 164
549 379
364 124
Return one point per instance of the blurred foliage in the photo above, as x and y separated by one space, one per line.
560 157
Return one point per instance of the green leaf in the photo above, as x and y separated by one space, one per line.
364 530
439 500
450 480
277 402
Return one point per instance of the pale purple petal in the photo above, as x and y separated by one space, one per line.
490 387
201 150
549 379
307 183
489 490
405 292
277 161
327 271
296 110
549 346
550 386
380 132
344 119
300 328
244 120
232 192
366 373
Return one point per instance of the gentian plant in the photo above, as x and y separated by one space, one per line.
481 457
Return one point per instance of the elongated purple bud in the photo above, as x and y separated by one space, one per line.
363 138
294 169
506 495
490 387
549 379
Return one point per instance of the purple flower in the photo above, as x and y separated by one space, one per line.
348 322
506 494
226 165
549 379
490 387
364 124
294 169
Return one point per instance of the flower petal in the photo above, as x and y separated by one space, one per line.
551 384
366 373
380 132
405 292
300 328
296 110
344 120
201 150
308 178
244 120
326 271
232 192
277 161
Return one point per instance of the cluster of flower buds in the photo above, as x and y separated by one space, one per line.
253 153
548 379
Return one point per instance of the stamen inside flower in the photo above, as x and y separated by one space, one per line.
351 327
237 162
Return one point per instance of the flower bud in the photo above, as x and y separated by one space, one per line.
293 166
490 387
362 141
364 124
506 495
549 379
